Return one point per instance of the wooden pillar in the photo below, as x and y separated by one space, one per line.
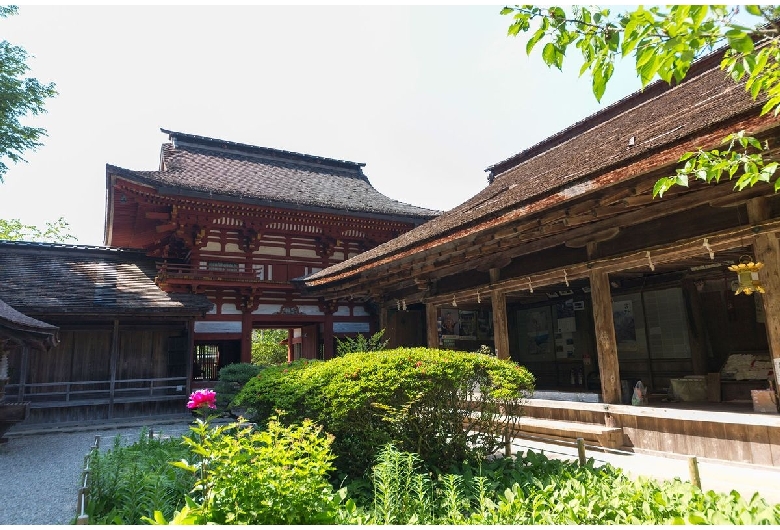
327 335
190 353
246 337
697 332
606 344
500 327
114 361
767 250
24 363
290 346
383 319
432 326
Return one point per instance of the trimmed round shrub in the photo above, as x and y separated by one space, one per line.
446 406
231 379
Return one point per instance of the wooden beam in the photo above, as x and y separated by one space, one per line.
606 344
432 326
159 216
170 227
500 327
604 235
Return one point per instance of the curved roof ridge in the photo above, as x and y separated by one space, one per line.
217 144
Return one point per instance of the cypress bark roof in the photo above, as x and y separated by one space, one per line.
17 327
237 171
57 279
628 130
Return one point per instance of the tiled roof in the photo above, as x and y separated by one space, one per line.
54 279
660 116
250 173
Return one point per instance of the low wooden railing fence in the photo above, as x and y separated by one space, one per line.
81 501
63 393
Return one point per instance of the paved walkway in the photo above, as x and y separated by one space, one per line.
717 475
41 471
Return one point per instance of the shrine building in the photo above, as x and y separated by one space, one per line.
236 223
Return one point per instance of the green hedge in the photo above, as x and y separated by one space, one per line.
231 379
416 398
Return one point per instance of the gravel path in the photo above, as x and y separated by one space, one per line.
41 472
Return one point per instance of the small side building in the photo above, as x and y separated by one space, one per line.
125 345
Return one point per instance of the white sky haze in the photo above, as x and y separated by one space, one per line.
426 97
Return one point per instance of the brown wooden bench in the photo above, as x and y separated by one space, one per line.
609 437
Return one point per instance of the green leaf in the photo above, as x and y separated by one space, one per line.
740 41
529 46
507 11
548 54
694 518
753 10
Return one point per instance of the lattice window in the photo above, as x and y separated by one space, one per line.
206 362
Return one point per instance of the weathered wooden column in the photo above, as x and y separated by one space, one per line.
500 327
23 367
696 328
606 344
432 326
190 354
327 335
383 319
290 346
246 336
767 250
113 362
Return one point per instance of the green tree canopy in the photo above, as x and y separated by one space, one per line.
20 96
664 42
267 347
55 232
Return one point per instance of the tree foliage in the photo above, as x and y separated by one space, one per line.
664 42
267 347
361 343
20 96
55 232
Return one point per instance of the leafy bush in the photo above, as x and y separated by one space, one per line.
446 406
361 344
127 483
231 378
275 476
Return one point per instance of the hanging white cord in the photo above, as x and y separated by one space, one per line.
709 248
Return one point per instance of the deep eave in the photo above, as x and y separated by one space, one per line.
606 147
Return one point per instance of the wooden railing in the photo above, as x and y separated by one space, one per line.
66 393
268 272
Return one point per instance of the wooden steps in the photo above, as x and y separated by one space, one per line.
609 437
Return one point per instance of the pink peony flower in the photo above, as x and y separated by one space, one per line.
202 398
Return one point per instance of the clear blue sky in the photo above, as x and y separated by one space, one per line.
427 97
